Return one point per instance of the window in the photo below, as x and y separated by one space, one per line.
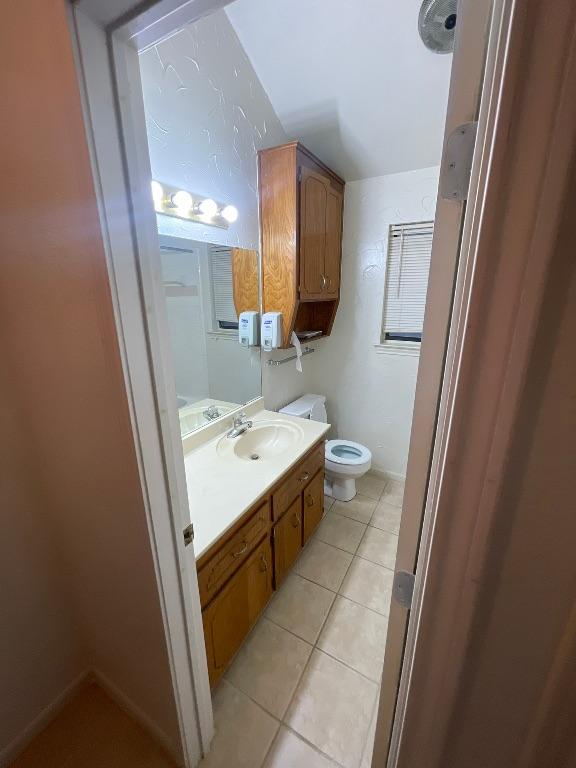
407 267
222 288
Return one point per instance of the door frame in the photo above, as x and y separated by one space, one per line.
476 71
107 60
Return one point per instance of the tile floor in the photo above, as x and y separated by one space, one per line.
302 690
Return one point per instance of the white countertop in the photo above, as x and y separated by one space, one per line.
221 489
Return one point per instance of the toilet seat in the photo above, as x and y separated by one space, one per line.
347 453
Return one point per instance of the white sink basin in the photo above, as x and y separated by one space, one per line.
265 440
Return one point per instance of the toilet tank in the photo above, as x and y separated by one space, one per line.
308 407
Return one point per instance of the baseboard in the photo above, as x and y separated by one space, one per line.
137 714
19 744
386 474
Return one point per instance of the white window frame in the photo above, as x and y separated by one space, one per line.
396 346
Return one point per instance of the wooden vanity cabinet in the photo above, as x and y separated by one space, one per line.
230 616
301 207
237 574
287 540
312 505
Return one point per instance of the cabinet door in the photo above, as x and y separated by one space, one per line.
333 251
313 204
313 504
287 536
231 615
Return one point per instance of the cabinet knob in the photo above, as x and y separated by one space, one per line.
323 282
263 564
295 521
310 500
304 477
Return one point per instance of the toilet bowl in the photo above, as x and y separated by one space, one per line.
345 460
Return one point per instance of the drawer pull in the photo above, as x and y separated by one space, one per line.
310 500
241 551
304 477
295 521
263 563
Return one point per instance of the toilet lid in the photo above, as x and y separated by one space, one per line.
347 452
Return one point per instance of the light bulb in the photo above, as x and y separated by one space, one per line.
208 208
157 194
230 213
182 200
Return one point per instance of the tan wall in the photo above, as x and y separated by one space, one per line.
40 653
77 469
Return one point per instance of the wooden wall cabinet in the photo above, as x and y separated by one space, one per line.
301 205
237 575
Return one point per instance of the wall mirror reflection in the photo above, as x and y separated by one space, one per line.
206 286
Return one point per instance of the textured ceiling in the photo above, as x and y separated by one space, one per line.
351 79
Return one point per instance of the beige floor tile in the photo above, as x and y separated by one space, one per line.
289 751
369 584
323 564
341 532
332 707
370 485
379 547
243 731
269 665
360 508
355 635
393 493
328 503
369 746
301 607
387 517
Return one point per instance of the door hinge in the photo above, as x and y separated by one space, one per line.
403 588
188 534
457 162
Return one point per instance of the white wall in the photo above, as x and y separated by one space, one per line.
185 321
370 395
207 115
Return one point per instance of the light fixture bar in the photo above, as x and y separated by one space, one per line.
173 201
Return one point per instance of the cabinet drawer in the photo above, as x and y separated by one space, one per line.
297 480
233 613
236 550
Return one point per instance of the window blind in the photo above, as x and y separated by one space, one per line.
222 286
407 267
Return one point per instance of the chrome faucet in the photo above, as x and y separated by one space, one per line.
211 413
239 425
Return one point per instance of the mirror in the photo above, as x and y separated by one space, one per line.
205 288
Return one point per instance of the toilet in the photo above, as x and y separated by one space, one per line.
345 461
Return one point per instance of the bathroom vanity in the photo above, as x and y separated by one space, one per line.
256 515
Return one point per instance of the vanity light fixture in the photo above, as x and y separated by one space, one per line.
230 213
208 208
182 200
182 204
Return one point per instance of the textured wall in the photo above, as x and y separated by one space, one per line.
370 395
207 116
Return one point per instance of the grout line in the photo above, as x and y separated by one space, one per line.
314 646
